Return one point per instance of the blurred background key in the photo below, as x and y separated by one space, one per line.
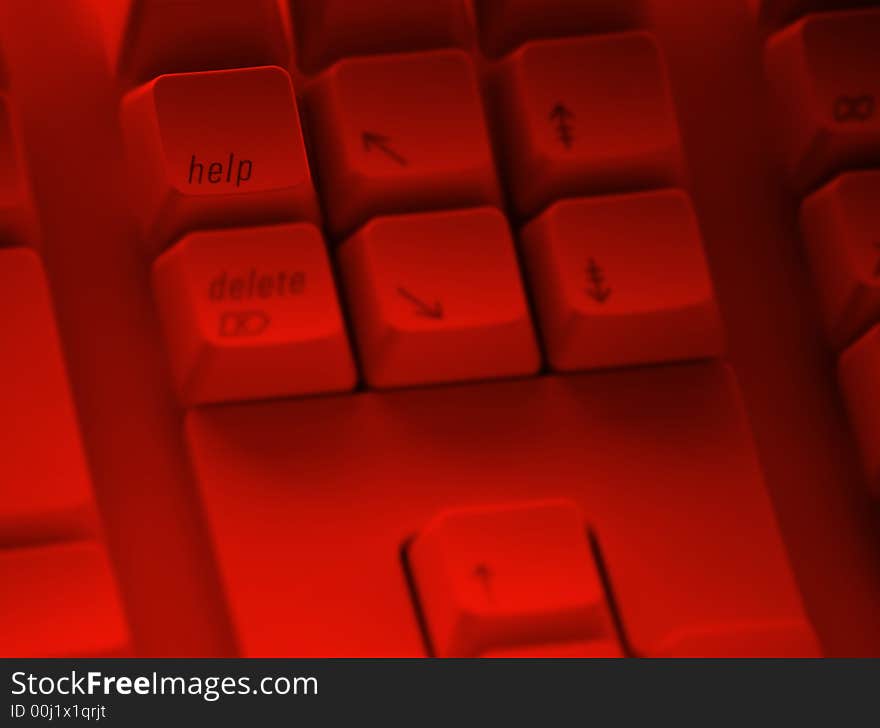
45 489
146 38
784 11
17 216
824 78
63 603
841 231
328 30
506 24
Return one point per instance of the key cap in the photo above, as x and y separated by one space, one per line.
437 297
329 30
661 460
62 602
585 116
622 280
842 234
252 313
823 75
146 38
216 149
45 490
859 373
506 24
17 221
400 134
498 577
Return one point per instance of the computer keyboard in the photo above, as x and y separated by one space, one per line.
462 328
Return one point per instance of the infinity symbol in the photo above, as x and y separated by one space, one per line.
243 323
854 108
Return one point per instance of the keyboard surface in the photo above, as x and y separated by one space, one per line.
461 328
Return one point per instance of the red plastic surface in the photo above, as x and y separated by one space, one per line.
622 280
506 24
782 11
842 235
660 459
424 146
62 602
493 577
214 149
17 224
44 487
826 86
330 30
570 123
252 313
162 36
437 297
368 472
859 367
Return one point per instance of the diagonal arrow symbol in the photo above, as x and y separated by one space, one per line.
422 308
372 141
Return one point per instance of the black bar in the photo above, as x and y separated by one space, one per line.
457 692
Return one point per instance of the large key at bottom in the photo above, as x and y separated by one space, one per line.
660 460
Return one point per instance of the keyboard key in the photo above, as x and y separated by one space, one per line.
252 313
823 74
17 226
217 149
505 24
842 233
622 280
332 29
859 373
437 297
61 602
151 37
45 490
660 459
506 576
584 116
400 134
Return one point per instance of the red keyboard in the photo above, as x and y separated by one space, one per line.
462 328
